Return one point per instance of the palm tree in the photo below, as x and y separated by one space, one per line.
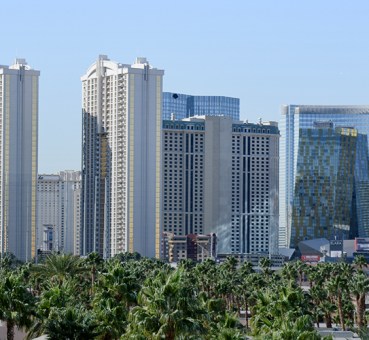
336 287
167 308
57 268
265 264
124 257
229 283
314 276
110 317
328 308
220 323
360 262
345 269
121 283
322 303
227 333
323 272
301 268
281 312
55 296
244 289
9 261
94 261
359 287
187 264
71 322
16 303
207 277
299 329
230 263
115 293
246 268
289 272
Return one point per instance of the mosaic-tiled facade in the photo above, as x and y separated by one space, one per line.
331 185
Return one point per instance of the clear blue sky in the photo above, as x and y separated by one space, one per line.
267 53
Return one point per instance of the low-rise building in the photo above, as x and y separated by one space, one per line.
195 247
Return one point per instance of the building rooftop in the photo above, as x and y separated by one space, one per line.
327 109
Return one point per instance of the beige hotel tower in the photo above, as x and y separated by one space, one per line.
121 141
18 159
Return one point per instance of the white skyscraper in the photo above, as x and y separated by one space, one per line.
122 109
18 159
59 211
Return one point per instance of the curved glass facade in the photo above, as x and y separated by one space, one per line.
295 118
331 176
184 106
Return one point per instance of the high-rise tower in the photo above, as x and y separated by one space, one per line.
221 176
122 117
296 118
59 211
18 159
331 185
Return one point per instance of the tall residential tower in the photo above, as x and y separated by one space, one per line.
121 191
18 159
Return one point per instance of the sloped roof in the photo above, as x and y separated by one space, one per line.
312 247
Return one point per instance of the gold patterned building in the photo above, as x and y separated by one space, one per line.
18 159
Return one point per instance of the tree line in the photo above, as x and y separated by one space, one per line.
129 297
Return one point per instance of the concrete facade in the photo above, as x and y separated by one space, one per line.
192 246
221 176
59 210
218 180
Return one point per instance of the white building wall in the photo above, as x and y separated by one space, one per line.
121 190
145 156
77 219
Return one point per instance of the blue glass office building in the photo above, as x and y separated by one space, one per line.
331 185
184 106
295 118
